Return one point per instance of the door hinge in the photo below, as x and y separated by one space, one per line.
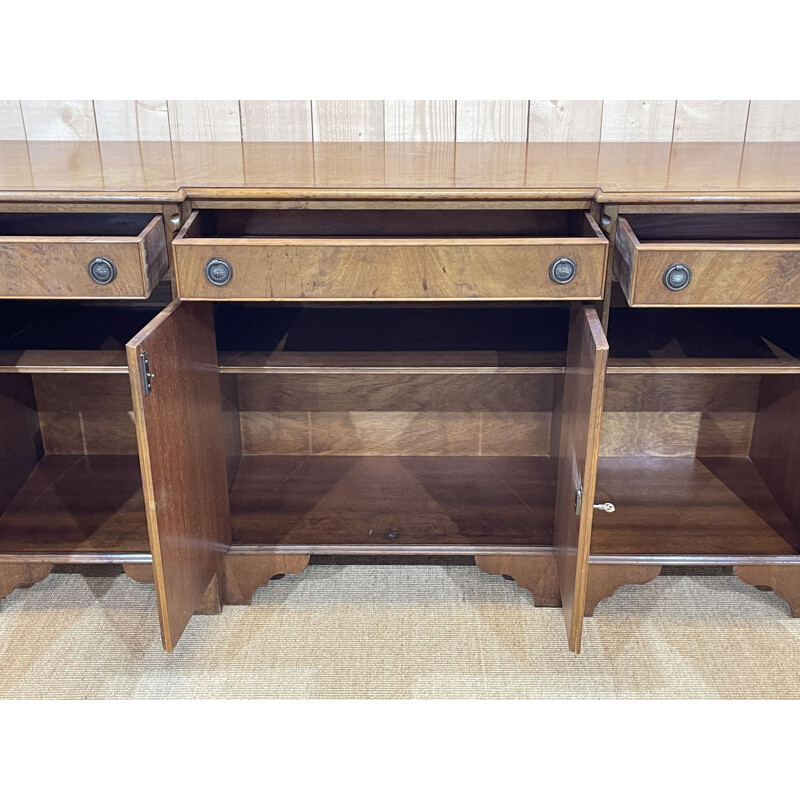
147 376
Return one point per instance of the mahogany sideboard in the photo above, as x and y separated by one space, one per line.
575 363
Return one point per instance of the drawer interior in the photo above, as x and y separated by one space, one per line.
357 223
714 227
88 225
405 428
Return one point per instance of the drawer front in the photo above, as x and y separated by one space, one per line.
388 270
58 267
719 274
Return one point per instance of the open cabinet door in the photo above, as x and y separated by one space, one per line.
579 440
176 402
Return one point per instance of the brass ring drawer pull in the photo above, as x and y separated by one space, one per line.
563 270
102 271
219 272
677 277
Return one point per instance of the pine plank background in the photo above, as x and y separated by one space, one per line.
401 120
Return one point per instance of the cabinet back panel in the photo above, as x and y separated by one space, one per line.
679 415
396 415
85 414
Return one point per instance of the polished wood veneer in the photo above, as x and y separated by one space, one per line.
74 508
392 370
48 255
416 504
688 506
390 255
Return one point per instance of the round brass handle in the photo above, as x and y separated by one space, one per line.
677 277
102 271
219 272
563 270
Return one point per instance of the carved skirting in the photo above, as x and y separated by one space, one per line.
536 573
242 574
783 579
14 576
605 579
141 573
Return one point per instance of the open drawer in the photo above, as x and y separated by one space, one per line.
80 256
318 254
709 259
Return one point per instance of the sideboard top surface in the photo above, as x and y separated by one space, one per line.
607 172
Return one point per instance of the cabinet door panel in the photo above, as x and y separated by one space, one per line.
179 430
581 412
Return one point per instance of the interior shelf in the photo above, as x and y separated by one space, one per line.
53 337
393 504
736 341
689 506
394 340
83 508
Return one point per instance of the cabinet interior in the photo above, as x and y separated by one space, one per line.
70 482
700 446
402 428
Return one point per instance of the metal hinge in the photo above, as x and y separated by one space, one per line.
147 376
609 508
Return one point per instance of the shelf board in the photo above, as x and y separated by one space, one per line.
77 509
704 366
350 503
688 507
393 362
105 362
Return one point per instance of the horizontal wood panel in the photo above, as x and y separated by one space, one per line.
78 508
329 501
403 120
687 506
457 392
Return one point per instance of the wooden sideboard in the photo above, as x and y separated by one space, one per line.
575 363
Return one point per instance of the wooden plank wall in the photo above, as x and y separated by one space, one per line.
402 120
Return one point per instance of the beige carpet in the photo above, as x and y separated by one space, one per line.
401 631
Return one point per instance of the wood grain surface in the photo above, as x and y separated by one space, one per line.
325 503
687 505
185 486
579 441
56 266
747 272
610 172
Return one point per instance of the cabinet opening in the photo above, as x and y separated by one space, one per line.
700 228
70 486
68 336
743 340
354 223
403 429
702 464
91 225
319 336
